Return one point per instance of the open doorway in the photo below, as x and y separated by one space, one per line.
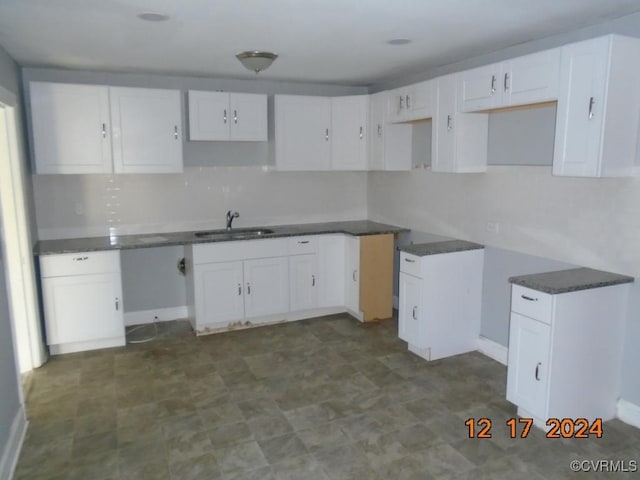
19 264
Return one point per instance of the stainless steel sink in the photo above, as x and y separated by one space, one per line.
236 233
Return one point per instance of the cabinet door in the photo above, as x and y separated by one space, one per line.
352 273
83 308
218 293
532 78
248 117
147 130
266 286
303 282
581 102
331 268
349 127
71 128
396 107
419 101
302 132
209 117
443 145
409 310
529 356
478 88
377 121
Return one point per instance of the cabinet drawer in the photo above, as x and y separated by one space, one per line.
532 303
302 245
411 264
81 263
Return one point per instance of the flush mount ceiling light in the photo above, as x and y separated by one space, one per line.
255 60
153 17
398 41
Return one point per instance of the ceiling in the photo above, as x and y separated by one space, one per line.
330 41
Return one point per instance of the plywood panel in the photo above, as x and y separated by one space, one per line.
376 276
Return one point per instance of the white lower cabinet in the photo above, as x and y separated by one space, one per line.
266 282
440 302
82 296
352 274
565 352
331 270
219 290
303 278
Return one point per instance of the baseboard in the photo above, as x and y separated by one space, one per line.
148 316
12 448
492 349
628 412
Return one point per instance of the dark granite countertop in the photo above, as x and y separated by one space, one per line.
435 248
90 244
564 281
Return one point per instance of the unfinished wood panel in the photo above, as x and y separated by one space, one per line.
376 277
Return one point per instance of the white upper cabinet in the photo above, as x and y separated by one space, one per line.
146 130
350 130
459 142
71 128
321 133
79 129
389 143
227 116
597 115
524 80
413 102
302 132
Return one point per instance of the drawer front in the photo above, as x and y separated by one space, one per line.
532 303
411 264
81 263
303 245
240 250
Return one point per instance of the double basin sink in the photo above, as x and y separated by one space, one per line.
233 234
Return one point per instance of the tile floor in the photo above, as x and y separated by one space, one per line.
319 399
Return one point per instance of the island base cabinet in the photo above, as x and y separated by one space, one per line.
565 352
82 298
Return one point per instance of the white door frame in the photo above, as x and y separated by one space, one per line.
19 263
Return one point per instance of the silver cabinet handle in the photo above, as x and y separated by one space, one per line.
401 102
303 241
80 259
248 289
379 130
493 84
104 130
506 82
531 299
224 115
175 132
591 102
326 134
414 313
538 371
313 280
117 304
235 117
409 260
353 275
406 101
239 289
449 122
360 133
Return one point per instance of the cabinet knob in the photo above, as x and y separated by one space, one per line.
409 260
493 84
414 313
591 102
80 259
175 132
406 101
239 289
449 122
235 117
303 241
530 299
117 304
360 133
538 371
326 134
506 82
379 130
224 116
104 130
401 102
354 275
313 280
248 289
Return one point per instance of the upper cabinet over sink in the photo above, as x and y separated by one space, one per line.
99 129
520 81
598 108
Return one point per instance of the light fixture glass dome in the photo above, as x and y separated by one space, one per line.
255 60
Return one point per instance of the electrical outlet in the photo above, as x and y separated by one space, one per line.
493 227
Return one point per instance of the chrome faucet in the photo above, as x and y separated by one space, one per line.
230 216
